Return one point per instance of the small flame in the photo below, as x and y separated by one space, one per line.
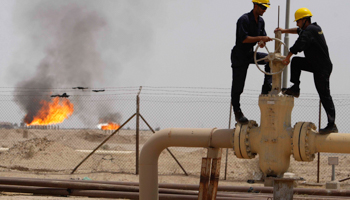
53 112
110 126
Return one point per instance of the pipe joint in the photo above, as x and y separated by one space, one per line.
211 138
241 142
302 148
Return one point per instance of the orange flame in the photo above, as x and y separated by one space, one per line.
53 112
110 126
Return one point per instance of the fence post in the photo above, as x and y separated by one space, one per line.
137 129
229 126
318 154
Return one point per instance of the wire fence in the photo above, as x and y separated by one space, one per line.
61 147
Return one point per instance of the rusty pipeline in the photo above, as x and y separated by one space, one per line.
90 188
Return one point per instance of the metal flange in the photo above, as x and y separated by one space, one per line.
241 143
300 145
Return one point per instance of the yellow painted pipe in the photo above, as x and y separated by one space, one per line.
175 137
307 141
333 143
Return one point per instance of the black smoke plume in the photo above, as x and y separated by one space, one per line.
80 43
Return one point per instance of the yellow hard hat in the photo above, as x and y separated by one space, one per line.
265 3
301 13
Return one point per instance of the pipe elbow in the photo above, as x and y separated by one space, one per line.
184 137
153 147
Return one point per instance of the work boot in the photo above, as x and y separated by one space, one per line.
266 88
330 128
240 118
293 91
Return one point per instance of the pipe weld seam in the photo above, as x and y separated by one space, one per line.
211 137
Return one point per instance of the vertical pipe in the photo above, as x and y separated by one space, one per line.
278 23
214 177
318 153
276 78
286 41
333 172
137 129
204 179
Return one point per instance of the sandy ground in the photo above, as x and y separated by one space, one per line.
53 154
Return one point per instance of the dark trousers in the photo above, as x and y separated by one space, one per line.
239 74
321 79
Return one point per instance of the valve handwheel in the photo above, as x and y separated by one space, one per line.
270 57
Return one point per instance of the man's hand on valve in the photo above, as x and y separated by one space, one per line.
279 29
262 44
286 61
263 40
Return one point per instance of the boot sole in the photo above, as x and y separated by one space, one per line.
294 95
328 132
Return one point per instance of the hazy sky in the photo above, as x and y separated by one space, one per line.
183 43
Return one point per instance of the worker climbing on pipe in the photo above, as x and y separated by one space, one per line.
312 42
250 30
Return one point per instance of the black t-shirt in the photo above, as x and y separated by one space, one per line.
313 43
246 26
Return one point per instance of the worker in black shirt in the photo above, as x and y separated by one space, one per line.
250 30
317 61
